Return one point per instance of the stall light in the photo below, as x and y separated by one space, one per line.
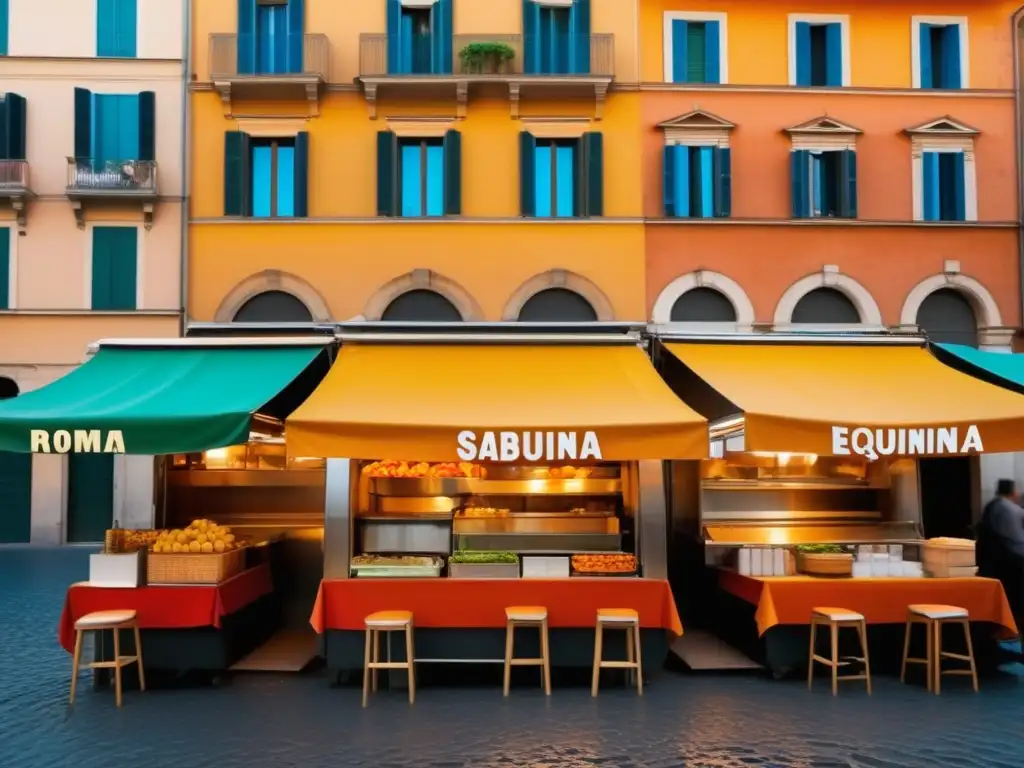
778 536
783 458
217 453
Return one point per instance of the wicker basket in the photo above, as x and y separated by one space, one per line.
194 568
825 564
943 554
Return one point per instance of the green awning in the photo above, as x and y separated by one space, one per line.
1003 370
161 399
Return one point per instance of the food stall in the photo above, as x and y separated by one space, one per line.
811 495
477 468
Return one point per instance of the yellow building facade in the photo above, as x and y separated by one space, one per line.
415 160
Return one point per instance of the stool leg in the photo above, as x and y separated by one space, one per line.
367 658
117 666
834 629
374 675
76 660
937 668
862 630
545 654
138 658
412 663
639 662
929 643
630 656
598 643
906 653
810 658
509 642
970 652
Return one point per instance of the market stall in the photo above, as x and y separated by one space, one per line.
472 470
812 493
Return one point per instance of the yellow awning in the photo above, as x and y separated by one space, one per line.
412 401
839 399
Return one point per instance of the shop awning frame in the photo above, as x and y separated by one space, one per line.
1002 369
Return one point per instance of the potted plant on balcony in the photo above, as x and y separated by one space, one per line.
486 58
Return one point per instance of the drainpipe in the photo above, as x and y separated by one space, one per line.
186 146
1018 149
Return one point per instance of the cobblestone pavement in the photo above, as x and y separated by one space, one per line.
276 721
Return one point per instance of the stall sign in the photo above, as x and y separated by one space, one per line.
76 441
528 446
903 441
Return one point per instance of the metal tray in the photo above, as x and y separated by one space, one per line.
471 486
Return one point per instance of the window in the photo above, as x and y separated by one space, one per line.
13 124
825 306
273 177
266 177
695 47
114 267
824 183
556 38
114 128
419 176
698 181
116 28
943 186
940 52
561 177
6 266
270 37
4 26
420 38
819 52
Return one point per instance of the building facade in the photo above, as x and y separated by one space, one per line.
91 226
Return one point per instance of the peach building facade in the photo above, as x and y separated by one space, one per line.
91 225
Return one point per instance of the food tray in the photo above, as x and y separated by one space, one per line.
395 571
194 568
606 574
465 486
483 570
824 564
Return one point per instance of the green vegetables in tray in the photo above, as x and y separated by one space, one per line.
481 558
820 549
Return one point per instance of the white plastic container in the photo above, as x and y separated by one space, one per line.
744 562
757 562
120 571
862 569
545 567
778 562
896 553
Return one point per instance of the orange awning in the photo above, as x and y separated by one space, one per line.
833 399
412 401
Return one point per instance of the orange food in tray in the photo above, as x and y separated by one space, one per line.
412 469
618 562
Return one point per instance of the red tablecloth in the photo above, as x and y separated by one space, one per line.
162 607
474 603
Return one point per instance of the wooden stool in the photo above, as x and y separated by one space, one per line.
934 618
619 618
527 616
835 619
386 622
115 621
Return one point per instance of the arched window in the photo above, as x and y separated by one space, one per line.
557 305
421 306
703 305
825 306
947 317
273 307
8 388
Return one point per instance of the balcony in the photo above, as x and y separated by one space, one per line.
249 77
568 67
93 181
14 186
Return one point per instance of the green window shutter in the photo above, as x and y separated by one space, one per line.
83 124
453 173
114 267
696 64
5 267
147 126
101 267
527 174
848 184
237 201
12 145
301 174
4 27
593 157
387 170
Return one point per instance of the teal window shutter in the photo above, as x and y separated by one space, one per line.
127 15
114 268
593 155
106 27
722 160
147 126
803 53
579 40
848 184
680 57
924 49
707 181
834 54
527 171
394 14
246 37
959 193
5 26
531 38
951 75
441 37
669 179
296 36
930 185
453 173
13 129
800 181
387 173
116 28
83 124
101 268
284 202
237 201
696 64
301 175
434 179
682 193
712 52
5 267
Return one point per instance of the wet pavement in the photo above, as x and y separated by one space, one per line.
697 721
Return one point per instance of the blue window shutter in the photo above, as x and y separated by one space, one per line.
707 182
722 159
296 36
435 202
531 38
387 173
106 27
803 53
301 174
246 37
285 201
930 185
14 127
127 23
394 13
5 27
959 187
848 184
712 52
83 124
951 75
679 57
441 37
834 54
683 180
924 50
147 125
527 171
593 146
669 179
127 123
543 199
261 180
579 40
800 171
5 267
453 173
237 201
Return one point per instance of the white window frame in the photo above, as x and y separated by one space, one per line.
915 46
139 261
12 265
843 20
723 41
952 144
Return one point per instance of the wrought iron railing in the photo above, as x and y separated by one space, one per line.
224 61
111 176
14 174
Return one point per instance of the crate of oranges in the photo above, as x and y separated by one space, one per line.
202 553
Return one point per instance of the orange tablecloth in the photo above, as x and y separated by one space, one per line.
162 607
789 600
475 603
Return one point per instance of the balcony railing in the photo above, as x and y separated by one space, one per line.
132 178
565 56
224 58
13 175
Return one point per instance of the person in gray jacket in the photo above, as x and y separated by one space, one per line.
999 550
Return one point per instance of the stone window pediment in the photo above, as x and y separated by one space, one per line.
697 127
823 133
942 126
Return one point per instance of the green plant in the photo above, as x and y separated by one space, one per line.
476 57
481 558
820 549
